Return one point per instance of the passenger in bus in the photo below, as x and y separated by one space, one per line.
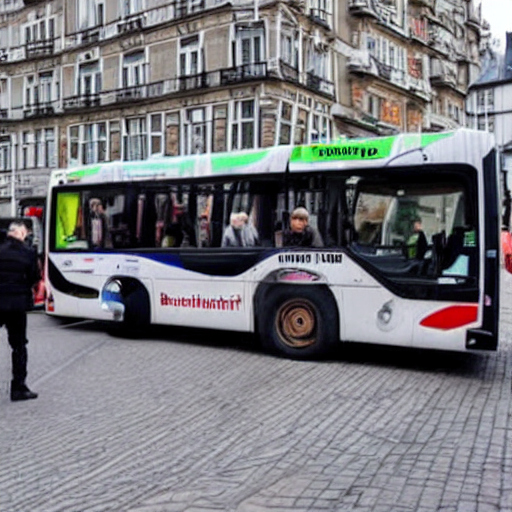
417 243
250 232
239 233
300 233
98 222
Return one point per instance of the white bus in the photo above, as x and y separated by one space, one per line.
140 243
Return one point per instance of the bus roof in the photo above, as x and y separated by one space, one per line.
404 149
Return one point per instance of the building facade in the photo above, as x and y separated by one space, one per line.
87 81
489 102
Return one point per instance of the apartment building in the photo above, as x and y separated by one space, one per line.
87 81
489 102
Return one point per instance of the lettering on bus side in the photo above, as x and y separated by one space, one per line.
316 258
347 151
233 303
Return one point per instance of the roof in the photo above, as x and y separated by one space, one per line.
496 67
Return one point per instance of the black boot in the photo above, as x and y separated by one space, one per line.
21 392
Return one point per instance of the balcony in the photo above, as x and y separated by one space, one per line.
91 35
237 75
38 110
318 84
133 23
289 73
443 73
423 3
82 102
362 8
243 73
41 48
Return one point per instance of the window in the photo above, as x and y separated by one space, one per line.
417 229
249 49
301 128
490 98
321 9
41 30
91 13
134 69
94 145
46 85
156 144
195 132
371 45
5 153
45 149
243 133
27 150
135 139
285 123
289 49
220 128
481 97
172 134
189 56
133 7
31 91
89 79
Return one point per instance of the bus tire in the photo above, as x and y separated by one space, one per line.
299 322
136 318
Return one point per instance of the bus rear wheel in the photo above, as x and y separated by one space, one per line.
300 322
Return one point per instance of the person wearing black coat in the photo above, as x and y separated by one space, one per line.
19 272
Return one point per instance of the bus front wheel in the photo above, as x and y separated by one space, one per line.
300 322
136 318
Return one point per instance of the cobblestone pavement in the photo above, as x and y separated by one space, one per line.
198 425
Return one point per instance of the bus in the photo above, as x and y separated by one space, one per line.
141 242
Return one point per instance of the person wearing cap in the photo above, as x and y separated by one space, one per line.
300 233
18 274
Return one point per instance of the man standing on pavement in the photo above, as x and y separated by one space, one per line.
18 274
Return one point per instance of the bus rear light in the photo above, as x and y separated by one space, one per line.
451 317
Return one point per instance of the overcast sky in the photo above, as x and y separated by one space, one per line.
499 15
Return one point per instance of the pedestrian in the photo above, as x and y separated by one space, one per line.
18 274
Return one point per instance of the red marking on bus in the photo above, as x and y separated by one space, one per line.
451 317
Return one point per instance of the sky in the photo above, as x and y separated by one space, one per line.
499 15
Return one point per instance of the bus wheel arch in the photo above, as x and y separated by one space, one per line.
297 321
134 296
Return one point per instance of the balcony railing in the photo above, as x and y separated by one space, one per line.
319 84
38 110
362 7
133 23
39 48
288 72
425 3
83 101
243 73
